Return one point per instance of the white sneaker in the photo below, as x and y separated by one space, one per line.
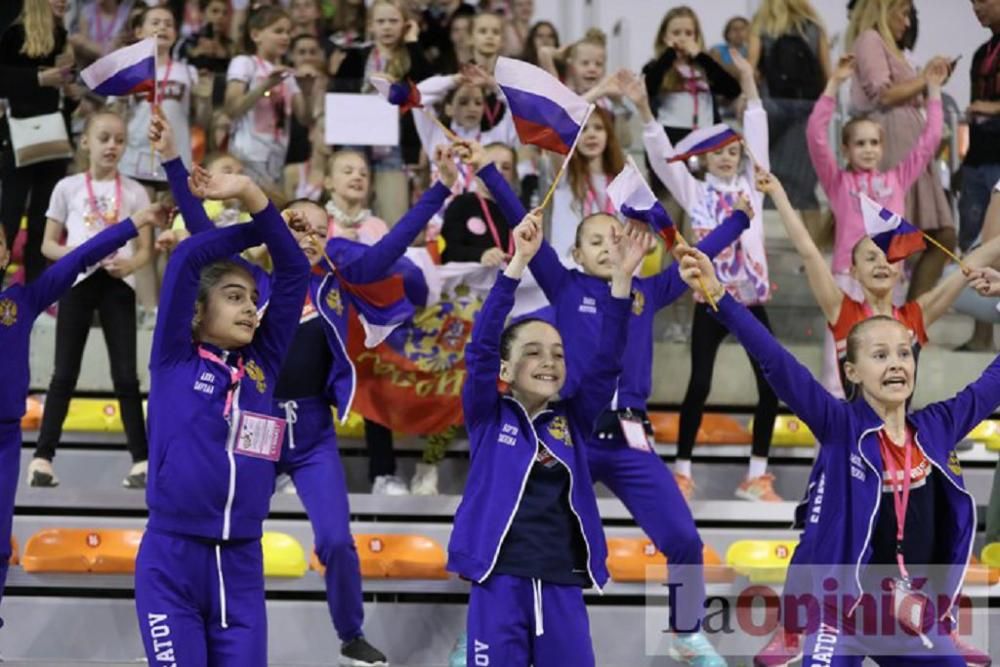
425 480
389 485
41 473
284 484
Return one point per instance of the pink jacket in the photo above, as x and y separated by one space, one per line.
842 185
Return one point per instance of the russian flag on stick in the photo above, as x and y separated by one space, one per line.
897 238
402 94
704 140
546 113
633 197
124 72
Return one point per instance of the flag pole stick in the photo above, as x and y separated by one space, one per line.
152 111
701 281
444 128
569 156
943 249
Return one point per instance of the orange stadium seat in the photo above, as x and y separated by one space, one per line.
13 551
388 556
635 559
980 574
198 144
100 550
32 418
716 429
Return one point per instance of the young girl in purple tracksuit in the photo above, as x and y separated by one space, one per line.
633 472
199 580
527 533
895 499
318 372
19 306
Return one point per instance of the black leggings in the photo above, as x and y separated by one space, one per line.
114 301
707 334
381 457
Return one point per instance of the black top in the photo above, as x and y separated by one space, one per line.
466 230
307 365
211 63
919 534
720 82
544 541
984 131
19 74
435 37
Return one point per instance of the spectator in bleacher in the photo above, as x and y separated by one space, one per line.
395 54
262 94
736 35
101 22
860 532
475 229
349 23
81 206
307 19
790 49
19 307
981 167
306 54
435 34
199 573
518 27
887 89
209 49
34 67
543 35
742 267
527 533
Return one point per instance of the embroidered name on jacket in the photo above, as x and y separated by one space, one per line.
205 383
588 305
857 468
255 373
508 435
559 429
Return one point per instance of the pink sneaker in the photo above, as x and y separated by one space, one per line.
759 489
783 649
686 485
973 656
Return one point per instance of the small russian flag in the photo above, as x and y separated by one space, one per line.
891 232
124 72
633 197
546 113
704 140
402 94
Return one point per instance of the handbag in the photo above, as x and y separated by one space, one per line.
39 139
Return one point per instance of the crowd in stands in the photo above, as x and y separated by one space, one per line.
238 119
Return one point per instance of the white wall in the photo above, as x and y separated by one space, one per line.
947 27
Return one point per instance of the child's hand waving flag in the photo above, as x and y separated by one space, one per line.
633 197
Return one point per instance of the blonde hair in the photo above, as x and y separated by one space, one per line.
39 29
873 15
779 17
399 64
594 37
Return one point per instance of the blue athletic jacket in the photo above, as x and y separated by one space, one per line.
197 485
503 440
21 304
842 515
333 293
575 297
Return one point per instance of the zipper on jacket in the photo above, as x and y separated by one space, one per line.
234 417
968 555
343 348
871 519
520 493
579 522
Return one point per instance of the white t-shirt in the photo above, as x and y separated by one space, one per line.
175 81
259 138
71 205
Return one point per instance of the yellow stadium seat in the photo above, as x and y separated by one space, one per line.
283 555
32 418
636 559
653 262
353 428
991 554
981 574
762 561
388 556
98 550
987 432
13 551
93 415
790 431
715 429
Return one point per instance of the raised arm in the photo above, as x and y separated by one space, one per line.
791 381
161 137
972 405
926 148
825 290
755 131
675 175
936 302
823 157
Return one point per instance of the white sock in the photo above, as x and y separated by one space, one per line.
682 467
758 466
